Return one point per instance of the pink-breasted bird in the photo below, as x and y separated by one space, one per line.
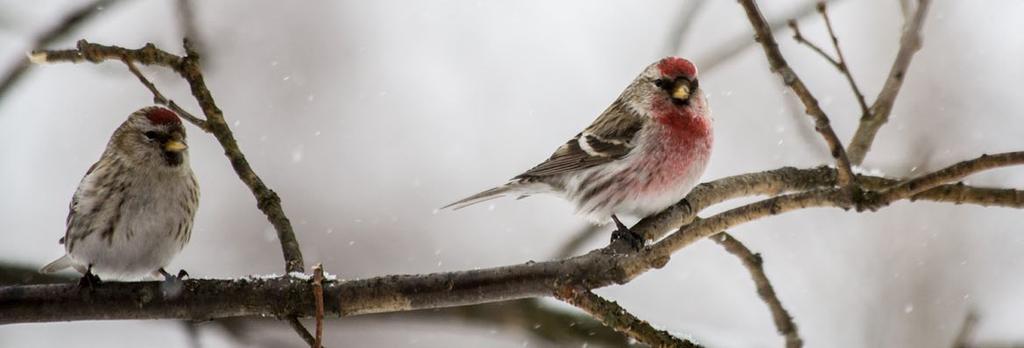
133 210
640 156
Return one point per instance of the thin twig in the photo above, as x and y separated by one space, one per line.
839 63
764 36
616 317
963 338
160 99
71 21
799 38
579 237
952 173
296 325
318 297
733 47
906 9
187 21
192 333
532 316
677 36
755 265
843 66
188 68
910 43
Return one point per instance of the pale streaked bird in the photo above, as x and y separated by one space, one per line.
133 210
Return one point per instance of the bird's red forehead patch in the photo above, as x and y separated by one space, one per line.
158 115
675 66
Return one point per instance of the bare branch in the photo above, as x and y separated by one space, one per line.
187 21
560 327
160 99
963 338
763 35
15 274
318 297
619 319
677 36
188 67
580 237
660 252
202 299
839 63
799 37
547 323
843 67
71 21
952 173
296 325
735 46
192 333
910 43
755 265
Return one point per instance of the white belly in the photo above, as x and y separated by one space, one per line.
152 226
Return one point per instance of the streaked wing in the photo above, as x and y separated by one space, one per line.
609 138
74 204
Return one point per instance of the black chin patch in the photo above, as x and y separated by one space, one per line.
681 102
173 159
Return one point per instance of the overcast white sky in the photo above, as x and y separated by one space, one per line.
367 116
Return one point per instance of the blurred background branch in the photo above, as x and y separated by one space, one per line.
71 21
755 265
910 43
680 215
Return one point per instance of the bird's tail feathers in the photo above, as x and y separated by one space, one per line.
518 188
58 264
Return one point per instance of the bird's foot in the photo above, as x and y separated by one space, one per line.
88 280
633 240
182 274
172 286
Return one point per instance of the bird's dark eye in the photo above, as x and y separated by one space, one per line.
151 134
663 84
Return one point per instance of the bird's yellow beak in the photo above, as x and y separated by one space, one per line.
174 146
681 91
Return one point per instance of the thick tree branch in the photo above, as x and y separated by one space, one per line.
763 35
531 316
686 235
189 69
284 296
755 265
618 318
910 43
